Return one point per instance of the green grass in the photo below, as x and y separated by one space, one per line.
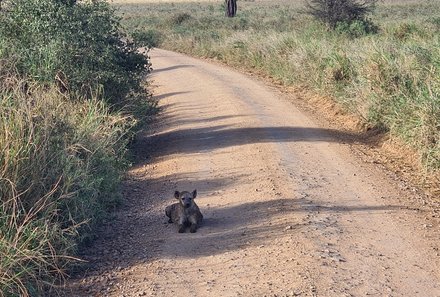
390 79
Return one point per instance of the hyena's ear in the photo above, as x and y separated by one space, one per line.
194 194
177 194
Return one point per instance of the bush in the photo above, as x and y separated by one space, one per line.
79 45
332 12
357 28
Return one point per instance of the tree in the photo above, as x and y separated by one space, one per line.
333 12
231 8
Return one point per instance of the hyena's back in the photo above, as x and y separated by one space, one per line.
173 212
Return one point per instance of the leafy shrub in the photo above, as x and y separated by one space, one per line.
82 42
357 28
333 12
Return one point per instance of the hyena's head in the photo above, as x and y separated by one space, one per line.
185 198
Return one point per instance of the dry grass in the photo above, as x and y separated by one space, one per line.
60 163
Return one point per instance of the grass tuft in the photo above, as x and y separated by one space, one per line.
60 166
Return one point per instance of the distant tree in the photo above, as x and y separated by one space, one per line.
333 12
231 8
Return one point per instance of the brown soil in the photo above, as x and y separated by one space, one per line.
292 207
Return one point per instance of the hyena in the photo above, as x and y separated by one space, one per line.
185 213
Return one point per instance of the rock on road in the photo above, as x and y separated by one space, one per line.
289 209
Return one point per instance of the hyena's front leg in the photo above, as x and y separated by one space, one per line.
181 225
193 228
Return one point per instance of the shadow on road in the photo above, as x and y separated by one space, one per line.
177 121
223 136
170 68
166 95
255 223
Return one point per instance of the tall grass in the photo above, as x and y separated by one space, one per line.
390 79
71 93
60 166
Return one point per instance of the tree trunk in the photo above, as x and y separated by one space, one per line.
231 8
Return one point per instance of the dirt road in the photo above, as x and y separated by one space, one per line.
289 210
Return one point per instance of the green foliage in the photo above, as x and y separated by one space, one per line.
357 28
405 94
333 12
81 41
404 30
338 68
436 22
